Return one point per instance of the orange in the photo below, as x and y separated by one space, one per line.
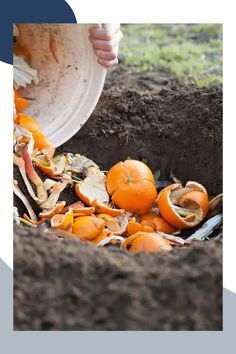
146 242
88 227
131 185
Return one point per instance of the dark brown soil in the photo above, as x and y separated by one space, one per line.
67 285
178 128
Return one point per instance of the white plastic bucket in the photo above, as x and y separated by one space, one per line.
68 91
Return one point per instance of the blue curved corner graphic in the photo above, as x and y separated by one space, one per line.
28 11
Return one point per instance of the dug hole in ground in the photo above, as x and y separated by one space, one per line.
71 285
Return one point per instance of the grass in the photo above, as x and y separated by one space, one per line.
193 52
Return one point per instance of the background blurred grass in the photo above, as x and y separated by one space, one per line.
193 52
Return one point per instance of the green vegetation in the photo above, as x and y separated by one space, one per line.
193 52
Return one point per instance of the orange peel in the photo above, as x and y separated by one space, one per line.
75 205
41 221
84 210
27 218
147 219
45 166
123 220
20 104
111 223
51 167
101 236
79 209
163 226
63 221
87 227
47 214
146 242
183 207
92 187
40 140
78 214
157 223
133 227
195 199
103 208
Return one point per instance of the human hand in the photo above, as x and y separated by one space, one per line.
105 41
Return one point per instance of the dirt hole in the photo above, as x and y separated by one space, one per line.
167 126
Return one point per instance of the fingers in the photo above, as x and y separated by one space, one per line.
105 41
111 55
105 45
106 32
106 63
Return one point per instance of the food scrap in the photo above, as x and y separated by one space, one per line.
126 207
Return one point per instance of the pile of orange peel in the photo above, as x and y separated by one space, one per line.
119 208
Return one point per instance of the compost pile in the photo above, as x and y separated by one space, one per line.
65 283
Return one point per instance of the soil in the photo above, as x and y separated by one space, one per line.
68 285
